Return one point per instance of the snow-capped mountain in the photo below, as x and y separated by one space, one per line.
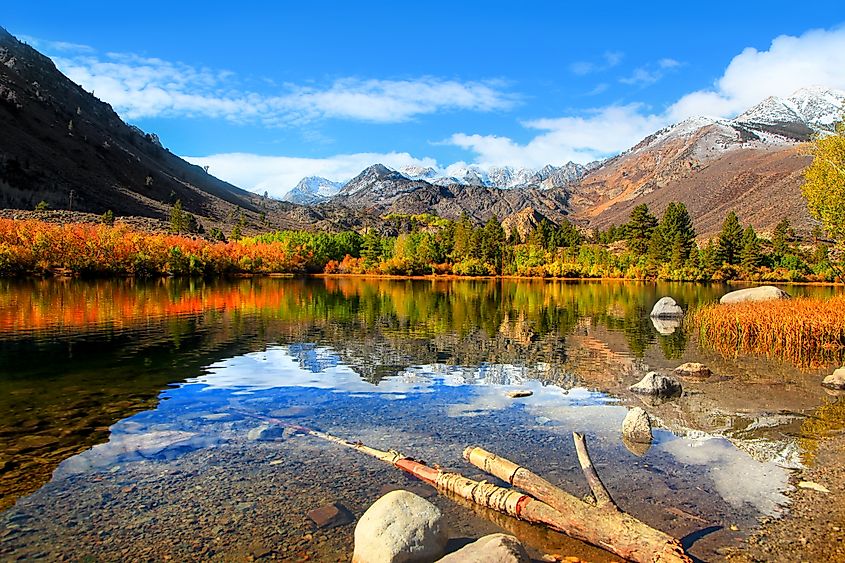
816 107
378 182
312 189
504 177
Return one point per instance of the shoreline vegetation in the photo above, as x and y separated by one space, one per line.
424 246
809 332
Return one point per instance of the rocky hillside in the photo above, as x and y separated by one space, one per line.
752 164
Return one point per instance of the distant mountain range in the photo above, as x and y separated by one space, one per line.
62 145
752 164
313 189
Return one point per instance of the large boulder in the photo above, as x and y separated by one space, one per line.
666 308
637 426
835 380
762 293
400 527
658 385
495 548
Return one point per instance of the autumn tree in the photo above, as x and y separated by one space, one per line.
824 185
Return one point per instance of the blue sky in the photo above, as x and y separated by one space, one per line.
271 92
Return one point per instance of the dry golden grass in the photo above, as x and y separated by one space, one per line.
810 332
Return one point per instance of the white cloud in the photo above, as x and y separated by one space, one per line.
140 87
278 174
581 138
815 58
790 63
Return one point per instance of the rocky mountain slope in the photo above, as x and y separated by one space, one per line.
752 164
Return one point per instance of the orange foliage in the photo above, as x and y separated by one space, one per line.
810 332
36 247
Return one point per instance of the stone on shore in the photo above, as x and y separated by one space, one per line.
495 548
400 527
762 293
666 308
693 370
836 380
637 426
658 385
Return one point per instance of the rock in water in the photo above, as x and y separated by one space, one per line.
400 527
331 515
520 393
762 293
658 385
666 326
495 548
266 433
693 370
836 380
666 308
637 426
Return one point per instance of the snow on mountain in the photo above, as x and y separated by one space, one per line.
312 189
418 172
806 112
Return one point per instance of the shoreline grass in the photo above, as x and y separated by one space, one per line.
807 331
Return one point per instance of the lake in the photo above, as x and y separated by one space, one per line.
129 411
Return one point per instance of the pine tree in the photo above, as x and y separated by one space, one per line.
639 229
677 229
371 249
750 255
780 242
730 241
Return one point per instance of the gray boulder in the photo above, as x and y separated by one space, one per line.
495 548
666 308
400 527
835 380
762 293
637 426
657 385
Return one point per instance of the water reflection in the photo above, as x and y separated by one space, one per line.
422 366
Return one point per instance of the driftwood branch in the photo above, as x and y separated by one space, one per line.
600 493
601 525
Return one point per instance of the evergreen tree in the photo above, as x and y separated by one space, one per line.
178 221
677 230
730 241
639 229
371 249
750 255
780 239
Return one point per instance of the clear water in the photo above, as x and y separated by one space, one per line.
126 411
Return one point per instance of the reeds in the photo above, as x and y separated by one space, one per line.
809 332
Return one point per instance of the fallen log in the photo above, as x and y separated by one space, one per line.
602 524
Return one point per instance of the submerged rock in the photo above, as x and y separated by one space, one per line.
400 527
637 426
266 433
658 385
495 548
693 370
330 516
666 308
762 293
836 380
